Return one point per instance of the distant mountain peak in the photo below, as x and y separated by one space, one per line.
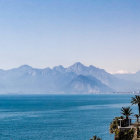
77 78
80 65
77 65
59 68
25 67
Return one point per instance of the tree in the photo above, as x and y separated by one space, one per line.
126 111
136 100
126 134
114 125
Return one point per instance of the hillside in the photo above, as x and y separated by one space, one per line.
74 79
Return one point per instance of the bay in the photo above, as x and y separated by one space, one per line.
59 117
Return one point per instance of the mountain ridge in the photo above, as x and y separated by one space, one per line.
76 78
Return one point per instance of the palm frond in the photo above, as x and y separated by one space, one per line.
135 100
126 111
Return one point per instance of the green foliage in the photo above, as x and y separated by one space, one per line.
136 100
114 125
126 111
126 134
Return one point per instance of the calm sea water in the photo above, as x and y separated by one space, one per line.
45 117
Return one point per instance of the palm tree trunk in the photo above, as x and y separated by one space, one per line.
126 117
139 108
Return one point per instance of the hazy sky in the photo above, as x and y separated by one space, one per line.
42 33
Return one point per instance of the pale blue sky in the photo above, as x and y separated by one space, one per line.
42 33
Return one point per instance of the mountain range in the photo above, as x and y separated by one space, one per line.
75 79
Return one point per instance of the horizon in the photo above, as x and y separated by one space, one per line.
104 34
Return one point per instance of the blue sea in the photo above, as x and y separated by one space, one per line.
53 117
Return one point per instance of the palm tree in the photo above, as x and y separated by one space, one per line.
114 127
126 134
136 100
137 116
126 111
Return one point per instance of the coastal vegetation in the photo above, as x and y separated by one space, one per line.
122 127
114 125
136 100
126 111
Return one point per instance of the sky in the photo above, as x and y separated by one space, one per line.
46 33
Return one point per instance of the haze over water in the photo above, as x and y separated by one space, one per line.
71 117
